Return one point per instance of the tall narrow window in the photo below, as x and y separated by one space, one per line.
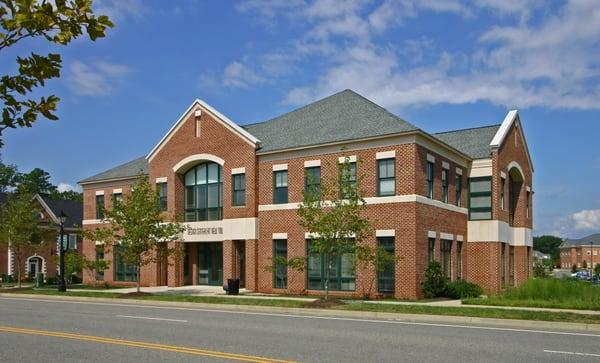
162 196
123 271
99 257
502 187
511 266
446 254
431 249
239 190
445 185
72 241
117 198
204 193
386 175
386 279
528 205
351 178
480 198
100 206
312 183
280 273
458 190
280 190
430 177
459 260
502 265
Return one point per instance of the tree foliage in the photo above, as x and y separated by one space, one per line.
139 227
336 223
435 282
58 22
377 257
74 263
297 263
20 230
548 244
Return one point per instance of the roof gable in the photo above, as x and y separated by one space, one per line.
343 116
512 118
217 116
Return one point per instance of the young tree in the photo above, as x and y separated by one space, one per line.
96 266
378 257
332 212
20 230
138 227
58 22
74 263
279 264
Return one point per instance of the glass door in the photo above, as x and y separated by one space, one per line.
210 263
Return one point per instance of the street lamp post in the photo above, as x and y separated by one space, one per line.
62 284
592 258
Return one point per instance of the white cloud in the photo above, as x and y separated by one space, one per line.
587 219
65 187
550 61
94 79
237 74
118 10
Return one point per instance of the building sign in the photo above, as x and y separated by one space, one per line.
191 231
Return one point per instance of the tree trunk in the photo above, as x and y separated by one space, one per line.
328 264
138 279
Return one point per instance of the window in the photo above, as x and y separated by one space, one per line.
459 260
386 279
351 178
446 254
72 241
431 249
528 203
480 198
458 192
162 196
239 190
430 176
99 257
341 275
123 271
117 198
312 181
502 186
100 207
502 266
386 175
445 185
280 190
511 266
280 273
204 193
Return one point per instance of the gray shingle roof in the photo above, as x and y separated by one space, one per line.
594 238
343 116
72 209
474 142
129 169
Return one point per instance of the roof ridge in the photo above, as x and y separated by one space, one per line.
468 128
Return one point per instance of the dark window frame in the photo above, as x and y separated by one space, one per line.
380 179
430 249
336 282
100 206
312 179
351 178
446 257
445 183
480 194
280 191
430 179
238 195
386 280
458 190
459 248
162 199
193 212
123 272
278 251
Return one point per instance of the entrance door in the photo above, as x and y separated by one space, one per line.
33 267
210 263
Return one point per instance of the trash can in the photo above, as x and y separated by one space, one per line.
39 280
233 286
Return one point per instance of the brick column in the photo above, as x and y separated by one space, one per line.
228 261
251 261
175 268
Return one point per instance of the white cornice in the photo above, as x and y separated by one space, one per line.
511 118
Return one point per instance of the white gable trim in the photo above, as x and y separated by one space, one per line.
219 117
47 208
511 117
186 162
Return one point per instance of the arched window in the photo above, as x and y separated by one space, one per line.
204 193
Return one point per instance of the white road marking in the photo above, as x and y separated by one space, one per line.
296 316
571 353
150 318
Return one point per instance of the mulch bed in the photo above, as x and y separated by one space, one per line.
324 304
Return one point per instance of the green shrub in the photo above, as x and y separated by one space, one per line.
52 280
597 269
539 270
574 268
584 264
435 281
463 289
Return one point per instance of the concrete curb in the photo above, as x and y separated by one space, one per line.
327 313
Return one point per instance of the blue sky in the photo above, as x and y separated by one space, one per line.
439 64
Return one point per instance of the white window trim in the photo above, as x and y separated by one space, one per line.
99 192
385 233
431 234
447 236
459 171
162 179
280 235
312 163
236 171
445 165
280 167
385 154
351 159
118 191
430 158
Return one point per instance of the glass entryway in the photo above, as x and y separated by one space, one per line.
210 263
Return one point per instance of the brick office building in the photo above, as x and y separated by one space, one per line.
573 252
461 197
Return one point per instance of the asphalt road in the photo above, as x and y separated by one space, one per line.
34 330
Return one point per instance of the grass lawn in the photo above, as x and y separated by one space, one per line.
547 293
353 306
